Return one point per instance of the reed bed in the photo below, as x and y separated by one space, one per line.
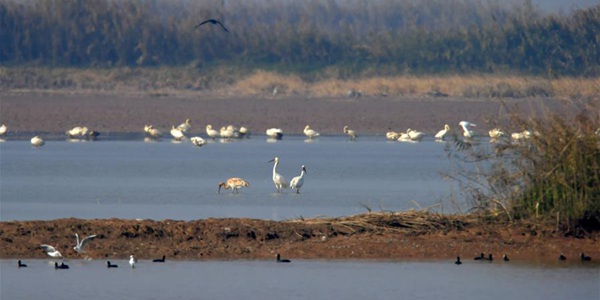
230 81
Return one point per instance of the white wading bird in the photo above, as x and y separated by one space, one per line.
350 133
392 135
152 132
278 180
37 141
234 183
80 244
310 133
51 251
212 133
468 133
298 181
443 133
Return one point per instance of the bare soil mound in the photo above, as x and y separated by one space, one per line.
403 235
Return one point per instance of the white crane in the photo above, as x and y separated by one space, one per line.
198 141
274 133
278 180
3 130
212 133
132 261
298 181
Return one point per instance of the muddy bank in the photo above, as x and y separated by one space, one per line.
46 112
405 235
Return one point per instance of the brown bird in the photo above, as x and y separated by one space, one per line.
234 183
214 22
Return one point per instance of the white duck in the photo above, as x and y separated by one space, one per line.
310 133
298 181
468 133
278 180
80 244
177 133
37 141
443 133
212 133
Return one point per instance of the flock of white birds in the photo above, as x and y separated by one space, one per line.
229 132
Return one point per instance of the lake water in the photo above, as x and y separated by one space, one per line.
166 180
301 279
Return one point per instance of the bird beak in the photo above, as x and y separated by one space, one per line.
219 191
272 160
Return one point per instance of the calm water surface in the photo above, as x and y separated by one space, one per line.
166 180
302 279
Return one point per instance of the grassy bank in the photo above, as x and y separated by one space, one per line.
227 81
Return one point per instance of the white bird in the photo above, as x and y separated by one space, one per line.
227 132
198 141
185 127
3 130
75 132
521 135
298 181
37 141
495 133
415 135
468 133
278 180
177 133
392 135
244 132
132 261
234 183
80 244
404 136
310 133
152 132
274 133
442 133
51 251
212 133
350 133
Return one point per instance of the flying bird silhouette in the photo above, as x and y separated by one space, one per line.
214 22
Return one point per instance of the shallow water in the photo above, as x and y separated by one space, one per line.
301 279
167 180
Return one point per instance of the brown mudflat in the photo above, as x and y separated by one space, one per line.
396 236
368 115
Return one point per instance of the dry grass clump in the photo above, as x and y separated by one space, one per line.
263 82
417 222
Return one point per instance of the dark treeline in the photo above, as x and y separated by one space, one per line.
390 36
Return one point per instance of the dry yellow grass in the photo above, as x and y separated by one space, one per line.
228 81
